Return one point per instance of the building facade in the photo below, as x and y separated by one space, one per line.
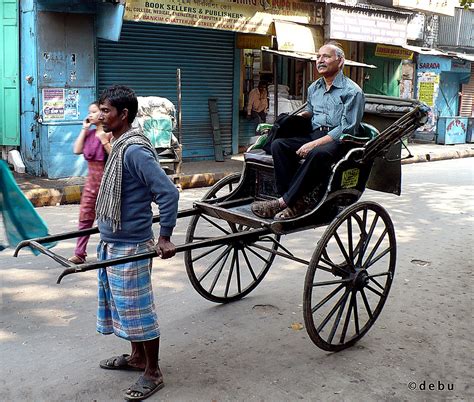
70 51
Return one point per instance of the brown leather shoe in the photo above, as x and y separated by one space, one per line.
301 207
266 209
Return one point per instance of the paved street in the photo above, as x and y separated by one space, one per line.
248 350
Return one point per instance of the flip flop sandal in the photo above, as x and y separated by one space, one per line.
145 387
266 209
77 260
118 363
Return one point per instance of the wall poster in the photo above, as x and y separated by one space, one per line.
60 104
53 104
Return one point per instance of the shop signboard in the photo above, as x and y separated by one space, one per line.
393 52
247 16
439 64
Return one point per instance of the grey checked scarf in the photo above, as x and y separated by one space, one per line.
109 200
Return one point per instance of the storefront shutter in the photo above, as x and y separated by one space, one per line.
146 58
467 100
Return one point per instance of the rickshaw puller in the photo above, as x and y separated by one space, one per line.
132 180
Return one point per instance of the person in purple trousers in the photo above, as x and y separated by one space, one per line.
94 144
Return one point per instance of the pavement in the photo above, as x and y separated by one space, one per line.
50 192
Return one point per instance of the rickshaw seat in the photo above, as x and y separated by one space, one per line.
258 156
366 133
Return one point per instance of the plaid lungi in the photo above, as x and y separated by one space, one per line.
126 305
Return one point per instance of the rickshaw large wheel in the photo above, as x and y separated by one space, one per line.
349 276
227 272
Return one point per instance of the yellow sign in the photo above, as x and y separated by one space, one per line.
350 178
393 52
249 16
426 92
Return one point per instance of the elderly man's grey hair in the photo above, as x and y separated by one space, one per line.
337 47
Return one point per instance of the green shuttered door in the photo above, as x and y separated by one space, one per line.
9 74
146 58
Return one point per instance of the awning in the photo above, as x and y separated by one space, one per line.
439 52
464 56
312 57
294 37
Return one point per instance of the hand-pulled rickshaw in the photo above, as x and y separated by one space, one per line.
229 250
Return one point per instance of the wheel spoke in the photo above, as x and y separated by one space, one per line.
346 321
379 241
369 236
214 263
381 255
231 270
333 310
338 318
233 227
216 278
356 315
326 283
366 302
254 252
332 265
207 252
349 238
327 298
247 261
278 244
377 284
343 250
388 273
326 269
237 270
214 224
373 290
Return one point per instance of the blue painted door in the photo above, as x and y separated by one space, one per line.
66 86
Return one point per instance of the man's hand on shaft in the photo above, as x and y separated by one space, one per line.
165 248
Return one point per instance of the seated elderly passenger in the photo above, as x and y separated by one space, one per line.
335 106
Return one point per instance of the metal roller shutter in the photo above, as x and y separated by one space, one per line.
467 99
146 58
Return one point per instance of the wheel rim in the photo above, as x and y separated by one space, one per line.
349 276
227 272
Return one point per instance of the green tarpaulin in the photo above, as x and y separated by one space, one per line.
20 219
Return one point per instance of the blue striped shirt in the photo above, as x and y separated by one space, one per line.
340 108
